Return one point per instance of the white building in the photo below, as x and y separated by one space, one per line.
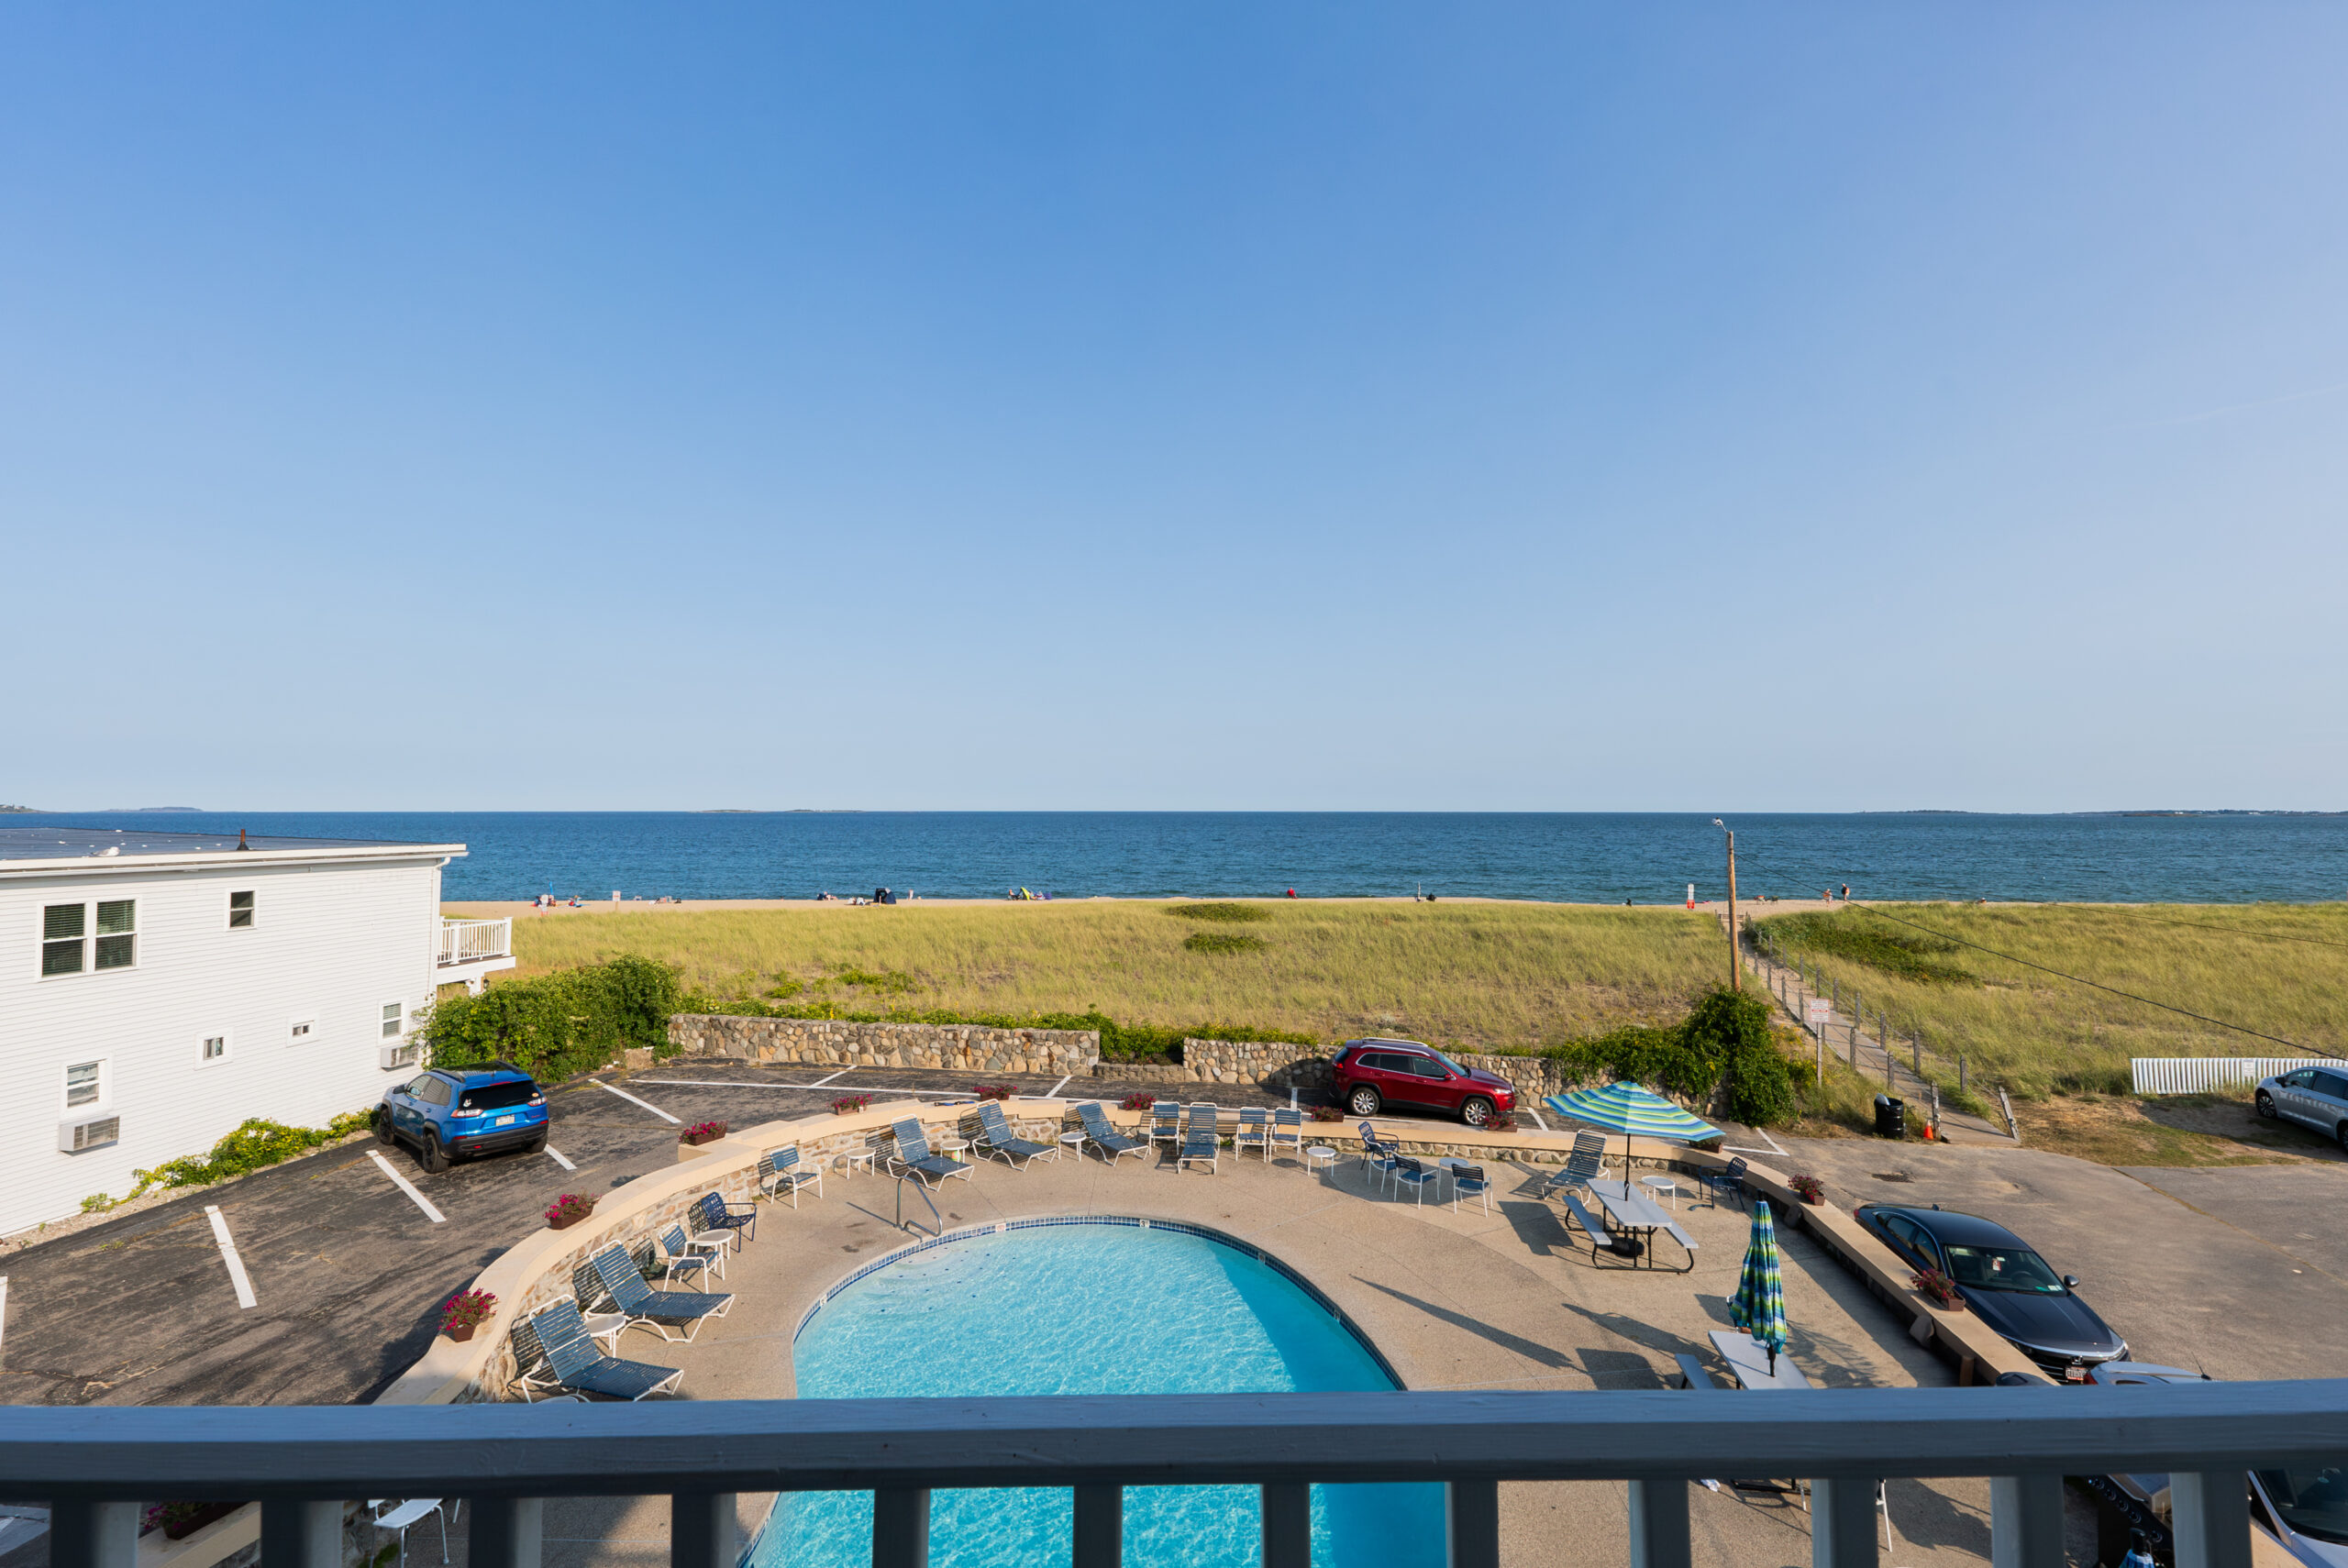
157 989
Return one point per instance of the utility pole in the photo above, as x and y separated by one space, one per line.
1733 976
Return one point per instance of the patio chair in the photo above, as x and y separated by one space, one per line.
1254 1133
686 1259
1731 1180
1166 1121
1585 1163
780 1171
1105 1137
997 1141
659 1310
1417 1175
398 1515
718 1219
1201 1143
1288 1132
1377 1153
587 1288
1470 1179
574 1365
912 1158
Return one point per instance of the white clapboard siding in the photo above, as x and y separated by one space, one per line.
2193 1075
331 940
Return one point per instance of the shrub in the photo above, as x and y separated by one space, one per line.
559 1024
570 1206
892 981
1852 934
256 1142
1224 941
97 1203
1119 1042
467 1310
1724 1042
1229 914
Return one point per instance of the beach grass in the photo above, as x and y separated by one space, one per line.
2279 969
1470 976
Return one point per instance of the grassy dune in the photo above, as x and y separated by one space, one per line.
2278 968
1468 975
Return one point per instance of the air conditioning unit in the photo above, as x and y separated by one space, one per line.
405 1054
77 1137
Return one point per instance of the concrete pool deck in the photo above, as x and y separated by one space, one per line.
1511 1299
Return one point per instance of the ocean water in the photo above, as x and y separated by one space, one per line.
1090 1309
1576 857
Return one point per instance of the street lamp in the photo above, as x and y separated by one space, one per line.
1735 973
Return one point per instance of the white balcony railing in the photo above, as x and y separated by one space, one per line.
471 940
95 1465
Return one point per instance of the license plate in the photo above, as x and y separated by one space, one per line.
505 1121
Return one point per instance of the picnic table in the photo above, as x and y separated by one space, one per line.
1636 1217
1750 1361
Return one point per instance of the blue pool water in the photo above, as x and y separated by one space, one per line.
1090 1309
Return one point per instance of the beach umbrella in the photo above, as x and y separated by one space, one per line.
1630 1108
1759 1305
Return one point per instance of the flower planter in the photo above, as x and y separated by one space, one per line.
694 1141
565 1221
461 1332
185 1520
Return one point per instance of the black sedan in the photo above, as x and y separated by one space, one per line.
2008 1285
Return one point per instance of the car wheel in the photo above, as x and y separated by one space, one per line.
1363 1101
536 1145
432 1156
384 1133
2266 1105
2341 1132
1477 1111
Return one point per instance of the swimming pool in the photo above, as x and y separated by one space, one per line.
1090 1307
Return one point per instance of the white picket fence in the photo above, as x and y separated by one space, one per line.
2193 1074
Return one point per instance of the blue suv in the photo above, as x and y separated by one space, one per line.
451 1112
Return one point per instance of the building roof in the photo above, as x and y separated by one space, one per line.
54 849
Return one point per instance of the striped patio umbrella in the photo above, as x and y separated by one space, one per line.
1759 1305
1627 1108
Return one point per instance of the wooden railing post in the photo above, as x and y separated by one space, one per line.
301 1533
1099 1527
701 1529
2026 1521
83 1534
2210 1515
1288 1525
1473 1510
504 1532
901 1528
1659 1522
1842 1523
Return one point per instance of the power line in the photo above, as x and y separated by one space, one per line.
2097 985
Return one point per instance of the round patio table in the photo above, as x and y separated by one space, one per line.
1320 1157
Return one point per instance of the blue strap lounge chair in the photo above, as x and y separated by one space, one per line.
913 1156
1416 1175
1254 1133
1166 1121
716 1218
1288 1132
1102 1135
659 1310
1201 1143
575 1365
691 1261
781 1171
997 1141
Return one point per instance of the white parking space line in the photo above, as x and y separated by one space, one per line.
557 1155
1536 1119
632 1100
1057 1086
407 1186
236 1276
722 1083
1764 1133
821 1082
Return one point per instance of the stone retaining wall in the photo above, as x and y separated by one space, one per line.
1281 1067
831 1042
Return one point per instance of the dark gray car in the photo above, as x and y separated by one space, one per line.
2315 1098
2009 1287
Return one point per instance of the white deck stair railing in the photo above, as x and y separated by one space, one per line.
469 940
95 1465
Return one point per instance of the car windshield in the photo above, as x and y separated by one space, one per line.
497 1097
2313 1502
2003 1268
1453 1068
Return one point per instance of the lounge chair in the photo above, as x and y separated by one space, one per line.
1731 1180
1470 1179
780 1171
717 1220
1201 1143
913 1156
997 1141
659 1310
1105 1137
573 1363
1166 1121
1416 1175
1254 1133
685 1258
1585 1163
399 1515
1288 1132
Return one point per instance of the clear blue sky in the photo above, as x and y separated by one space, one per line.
1545 406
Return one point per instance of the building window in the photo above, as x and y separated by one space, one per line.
117 933
240 912
302 1030
61 939
215 1049
85 1084
392 1019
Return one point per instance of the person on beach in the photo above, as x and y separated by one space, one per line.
1846 892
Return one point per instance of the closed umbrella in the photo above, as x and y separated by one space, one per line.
1630 1108
1759 1305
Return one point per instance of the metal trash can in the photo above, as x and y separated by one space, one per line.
1890 1117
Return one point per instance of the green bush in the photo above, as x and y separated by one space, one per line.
1724 1040
558 1025
1224 941
256 1142
1229 914
1855 936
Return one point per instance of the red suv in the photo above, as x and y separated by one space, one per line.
1374 1073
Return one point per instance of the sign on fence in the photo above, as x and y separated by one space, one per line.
1821 1012
2193 1074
